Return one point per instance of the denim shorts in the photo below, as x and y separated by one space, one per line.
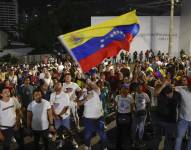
62 123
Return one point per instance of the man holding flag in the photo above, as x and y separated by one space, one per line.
89 47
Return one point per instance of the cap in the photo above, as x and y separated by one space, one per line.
125 86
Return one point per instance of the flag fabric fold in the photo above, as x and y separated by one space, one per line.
91 45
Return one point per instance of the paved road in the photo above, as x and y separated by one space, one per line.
153 141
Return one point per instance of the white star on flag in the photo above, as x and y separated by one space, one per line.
121 32
114 32
111 35
102 40
102 45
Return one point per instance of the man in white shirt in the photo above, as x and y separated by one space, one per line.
60 103
70 88
9 117
40 119
60 67
184 123
93 115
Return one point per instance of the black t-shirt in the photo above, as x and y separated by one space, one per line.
167 109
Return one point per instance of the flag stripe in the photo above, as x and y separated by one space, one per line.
111 50
93 45
98 30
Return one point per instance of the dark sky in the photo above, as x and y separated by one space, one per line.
145 7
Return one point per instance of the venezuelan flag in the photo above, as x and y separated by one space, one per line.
90 46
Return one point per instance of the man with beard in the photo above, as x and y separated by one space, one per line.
40 119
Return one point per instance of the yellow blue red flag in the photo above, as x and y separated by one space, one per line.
90 46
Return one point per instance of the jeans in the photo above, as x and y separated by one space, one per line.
62 122
182 127
44 135
92 126
63 127
8 134
138 127
169 133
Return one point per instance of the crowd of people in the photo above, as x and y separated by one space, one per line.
41 99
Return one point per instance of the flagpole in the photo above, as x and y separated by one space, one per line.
171 26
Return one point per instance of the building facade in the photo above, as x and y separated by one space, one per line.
3 40
8 15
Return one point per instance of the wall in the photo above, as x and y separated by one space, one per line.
3 39
153 33
16 52
185 24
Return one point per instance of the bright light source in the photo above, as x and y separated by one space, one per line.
48 5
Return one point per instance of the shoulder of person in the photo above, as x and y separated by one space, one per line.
29 108
52 95
146 95
75 84
130 96
179 88
177 94
47 103
65 94
117 97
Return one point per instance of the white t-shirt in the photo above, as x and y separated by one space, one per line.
13 79
48 81
141 100
8 112
93 107
60 68
41 76
84 93
72 87
159 63
39 114
185 109
188 70
124 104
59 102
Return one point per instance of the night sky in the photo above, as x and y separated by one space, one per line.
107 7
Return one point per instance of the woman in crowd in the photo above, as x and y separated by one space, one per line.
125 106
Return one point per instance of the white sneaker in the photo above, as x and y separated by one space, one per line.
60 144
63 137
79 128
13 140
75 144
87 148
